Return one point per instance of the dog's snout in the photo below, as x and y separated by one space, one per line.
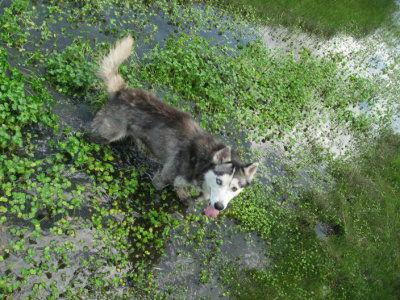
218 206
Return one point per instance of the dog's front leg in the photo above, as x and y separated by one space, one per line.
164 177
203 197
179 184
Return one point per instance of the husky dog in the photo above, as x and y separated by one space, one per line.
189 154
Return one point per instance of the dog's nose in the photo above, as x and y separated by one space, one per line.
218 206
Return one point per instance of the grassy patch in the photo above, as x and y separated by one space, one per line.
357 260
268 91
355 17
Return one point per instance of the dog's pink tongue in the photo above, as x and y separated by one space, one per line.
211 212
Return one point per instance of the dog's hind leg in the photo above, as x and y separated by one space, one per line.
158 181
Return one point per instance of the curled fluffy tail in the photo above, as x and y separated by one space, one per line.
110 64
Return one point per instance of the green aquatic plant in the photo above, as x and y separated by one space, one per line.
37 191
71 71
269 91
360 217
326 18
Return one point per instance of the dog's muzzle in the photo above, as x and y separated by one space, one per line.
219 206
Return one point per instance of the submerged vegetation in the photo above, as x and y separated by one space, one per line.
356 17
82 220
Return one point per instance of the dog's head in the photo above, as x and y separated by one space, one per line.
227 178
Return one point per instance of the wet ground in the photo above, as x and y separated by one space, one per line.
190 267
187 271
374 56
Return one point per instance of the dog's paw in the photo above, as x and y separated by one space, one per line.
183 194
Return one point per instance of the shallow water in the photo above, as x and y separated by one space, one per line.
180 271
374 57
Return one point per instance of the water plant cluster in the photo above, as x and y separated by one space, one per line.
50 197
269 91
82 220
336 245
323 18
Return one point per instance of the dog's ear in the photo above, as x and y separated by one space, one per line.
250 170
222 156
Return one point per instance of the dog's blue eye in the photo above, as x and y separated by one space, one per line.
218 181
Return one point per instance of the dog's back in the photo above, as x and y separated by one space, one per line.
139 113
